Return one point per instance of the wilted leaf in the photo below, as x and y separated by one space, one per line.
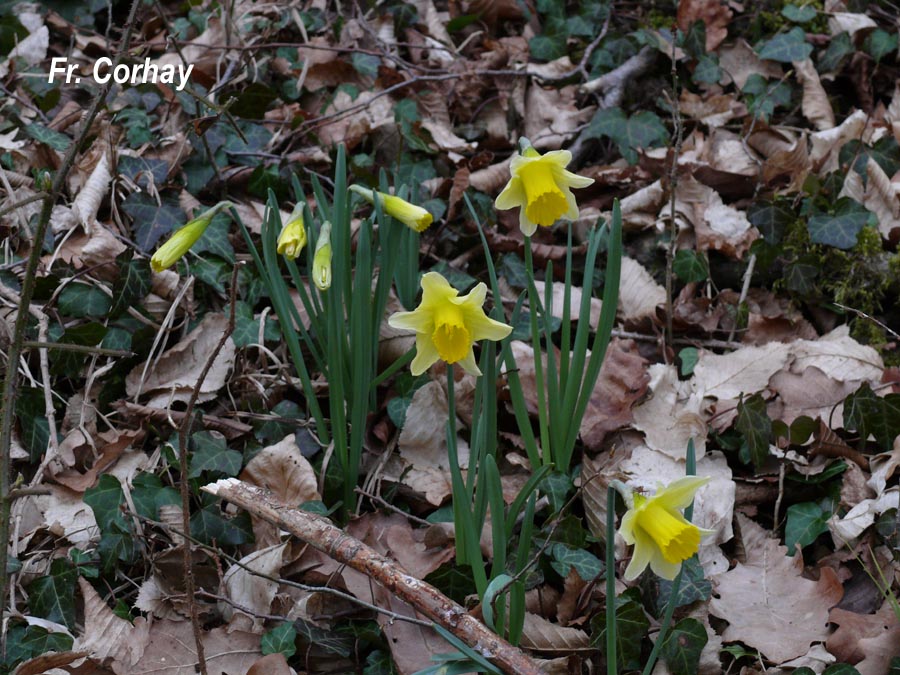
768 604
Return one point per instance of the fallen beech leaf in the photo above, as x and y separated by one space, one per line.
766 601
847 642
174 376
557 300
171 651
713 13
247 586
739 62
107 636
816 106
745 370
639 294
826 145
271 664
671 414
284 470
542 635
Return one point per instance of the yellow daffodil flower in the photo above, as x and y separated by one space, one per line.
180 242
414 217
447 325
293 235
542 188
661 536
321 273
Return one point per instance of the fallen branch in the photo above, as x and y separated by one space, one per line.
331 540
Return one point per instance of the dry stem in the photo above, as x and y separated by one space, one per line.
322 535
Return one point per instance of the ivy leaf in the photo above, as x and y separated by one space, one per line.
215 238
798 14
805 522
148 494
81 300
47 136
642 130
787 47
694 585
840 47
105 499
34 429
841 229
681 650
210 453
868 413
690 266
771 219
142 169
755 426
800 277
585 563
280 640
631 626
132 285
70 364
210 526
879 43
53 596
152 220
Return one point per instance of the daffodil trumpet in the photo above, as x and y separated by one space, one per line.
447 325
414 217
541 187
321 272
182 240
293 235
662 537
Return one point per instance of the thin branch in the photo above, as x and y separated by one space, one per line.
8 395
331 540
36 197
78 349
187 422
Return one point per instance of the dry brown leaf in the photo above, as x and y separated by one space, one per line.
825 146
542 635
716 225
671 415
107 636
171 651
66 515
639 209
739 62
713 13
767 602
816 106
745 370
639 294
839 22
557 300
271 664
355 118
32 48
284 470
713 111
552 117
247 587
423 444
51 664
174 376
847 643
881 197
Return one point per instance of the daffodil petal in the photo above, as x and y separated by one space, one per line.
574 180
644 550
680 493
662 567
426 354
486 328
513 195
572 212
417 321
559 157
469 365
474 298
528 228
626 527
433 284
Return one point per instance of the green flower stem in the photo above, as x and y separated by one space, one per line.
468 548
611 580
533 303
665 624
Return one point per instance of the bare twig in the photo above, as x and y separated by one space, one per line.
673 188
331 540
189 586
8 396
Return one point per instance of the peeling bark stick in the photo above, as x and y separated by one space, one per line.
331 540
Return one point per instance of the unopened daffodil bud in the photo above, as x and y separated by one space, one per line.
321 271
661 536
447 325
414 217
182 240
542 188
293 235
